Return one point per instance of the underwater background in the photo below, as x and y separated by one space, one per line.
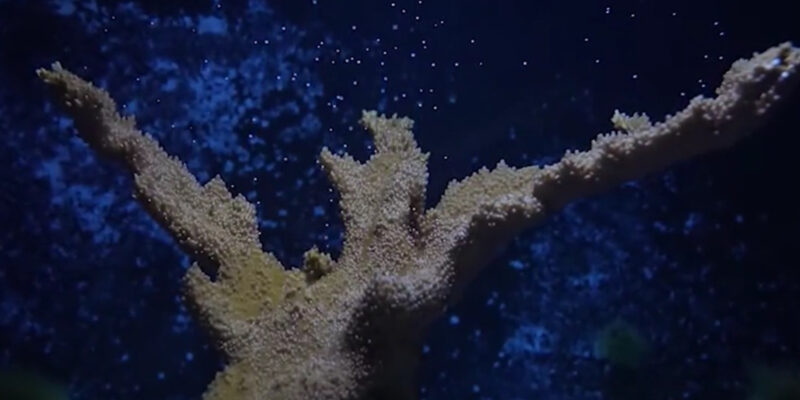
682 285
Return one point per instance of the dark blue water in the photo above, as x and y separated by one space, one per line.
699 261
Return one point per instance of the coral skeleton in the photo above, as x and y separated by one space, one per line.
351 327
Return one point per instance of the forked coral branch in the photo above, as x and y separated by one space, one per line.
351 328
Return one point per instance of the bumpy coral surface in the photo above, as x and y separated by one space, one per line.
351 328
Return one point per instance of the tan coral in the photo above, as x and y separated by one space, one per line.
351 328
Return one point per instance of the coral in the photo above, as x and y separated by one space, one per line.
774 382
24 384
621 344
351 328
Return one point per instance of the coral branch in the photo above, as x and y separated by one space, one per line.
495 205
749 91
206 220
351 328
216 229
